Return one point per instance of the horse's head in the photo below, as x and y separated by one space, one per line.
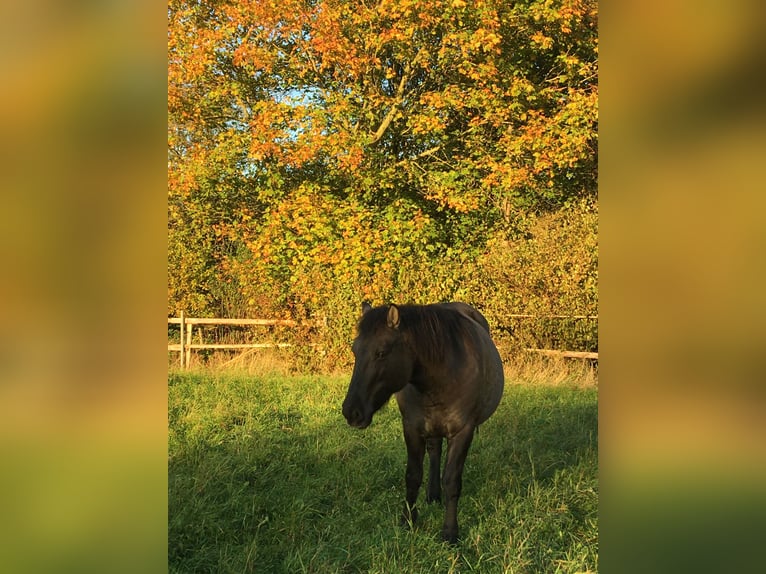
383 364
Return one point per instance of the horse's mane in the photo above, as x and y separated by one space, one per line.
438 333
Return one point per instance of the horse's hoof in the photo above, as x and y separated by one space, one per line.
449 535
408 519
431 498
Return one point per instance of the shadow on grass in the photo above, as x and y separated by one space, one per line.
259 486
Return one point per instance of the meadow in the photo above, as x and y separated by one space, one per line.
264 475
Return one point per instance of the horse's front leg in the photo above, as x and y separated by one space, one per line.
414 474
434 448
457 449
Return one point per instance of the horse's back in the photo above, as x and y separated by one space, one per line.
468 311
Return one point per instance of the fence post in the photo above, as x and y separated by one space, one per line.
188 344
183 320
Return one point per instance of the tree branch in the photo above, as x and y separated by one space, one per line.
428 152
399 98
392 112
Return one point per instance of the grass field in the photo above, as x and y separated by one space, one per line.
265 476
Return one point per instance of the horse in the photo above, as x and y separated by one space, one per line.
442 366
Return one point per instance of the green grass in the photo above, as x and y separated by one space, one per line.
265 476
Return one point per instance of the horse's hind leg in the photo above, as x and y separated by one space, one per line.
434 448
457 449
414 474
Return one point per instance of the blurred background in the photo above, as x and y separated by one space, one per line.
83 241
681 239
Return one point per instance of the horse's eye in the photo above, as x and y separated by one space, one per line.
380 353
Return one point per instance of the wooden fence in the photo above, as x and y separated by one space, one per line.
187 324
556 353
186 346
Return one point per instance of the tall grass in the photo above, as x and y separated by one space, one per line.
265 476
519 366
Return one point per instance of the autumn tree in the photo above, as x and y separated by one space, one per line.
328 149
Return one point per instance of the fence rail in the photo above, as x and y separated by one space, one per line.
185 347
565 354
217 321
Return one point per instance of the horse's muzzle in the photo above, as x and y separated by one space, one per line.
355 416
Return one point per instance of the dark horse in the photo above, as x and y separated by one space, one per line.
442 366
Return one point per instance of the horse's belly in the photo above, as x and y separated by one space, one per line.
432 420
489 404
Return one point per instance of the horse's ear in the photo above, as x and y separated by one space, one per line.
393 317
366 307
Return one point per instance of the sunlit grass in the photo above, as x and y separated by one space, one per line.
265 476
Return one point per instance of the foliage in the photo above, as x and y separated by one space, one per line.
265 476
550 269
327 151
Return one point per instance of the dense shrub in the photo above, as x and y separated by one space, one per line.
547 268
